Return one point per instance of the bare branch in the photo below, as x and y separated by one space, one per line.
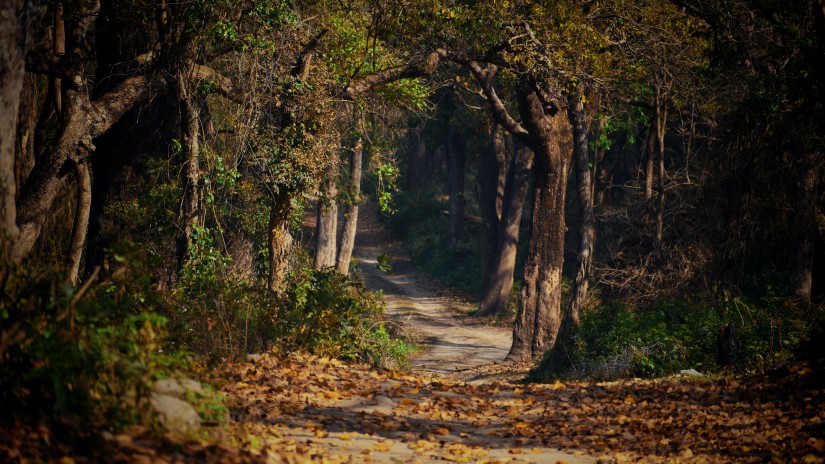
485 80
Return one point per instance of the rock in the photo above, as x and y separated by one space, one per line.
175 415
690 373
178 387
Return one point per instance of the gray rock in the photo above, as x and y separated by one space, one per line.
178 387
690 373
175 415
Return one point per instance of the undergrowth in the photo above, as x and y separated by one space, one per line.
421 226
618 341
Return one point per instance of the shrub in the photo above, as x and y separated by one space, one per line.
329 314
215 313
617 341
81 357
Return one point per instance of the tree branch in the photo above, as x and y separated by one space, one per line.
421 68
485 80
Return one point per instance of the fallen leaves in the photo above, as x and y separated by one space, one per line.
306 409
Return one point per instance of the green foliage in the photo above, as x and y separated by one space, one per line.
82 357
383 263
215 313
423 229
617 341
329 314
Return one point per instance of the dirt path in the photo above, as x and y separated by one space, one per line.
453 344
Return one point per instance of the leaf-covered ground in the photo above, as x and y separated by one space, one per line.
322 408
308 409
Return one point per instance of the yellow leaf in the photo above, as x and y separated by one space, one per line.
442 431
522 425
558 385
381 447
345 436
321 433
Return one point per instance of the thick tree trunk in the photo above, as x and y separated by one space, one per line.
578 291
497 291
83 121
456 153
492 168
18 19
81 222
280 242
327 226
351 214
539 315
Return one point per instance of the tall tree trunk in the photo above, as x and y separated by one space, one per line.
650 150
417 166
327 226
806 230
539 315
280 241
661 124
351 214
190 131
492 168
84 121
578 291
26 126
497 291
18 19
81 221
456 153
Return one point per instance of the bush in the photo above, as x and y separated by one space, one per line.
614 341
329 314
618 341
79 357
215 313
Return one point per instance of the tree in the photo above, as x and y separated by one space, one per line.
501 267
351 212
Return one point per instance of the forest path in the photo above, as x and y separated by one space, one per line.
453 344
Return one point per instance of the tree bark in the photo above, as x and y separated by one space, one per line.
18 19
456 153
327 226
539 315
83 121
81 222
578 291
26 126
492 168
280 242
351 214
806 230
661 124
190 147
417 169
497 291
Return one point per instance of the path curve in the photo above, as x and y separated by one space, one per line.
453 344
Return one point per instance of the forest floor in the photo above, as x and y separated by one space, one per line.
460 403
